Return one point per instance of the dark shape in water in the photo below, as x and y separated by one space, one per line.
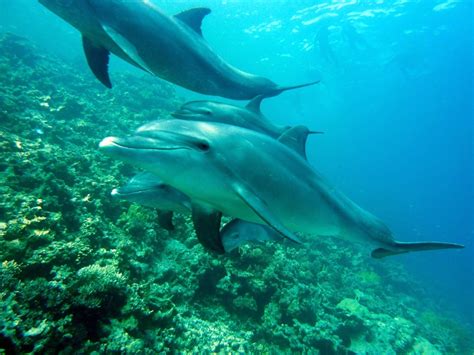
170 47
325 48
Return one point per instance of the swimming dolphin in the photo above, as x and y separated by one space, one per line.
148 190
253 177
170 47
249 117
238 232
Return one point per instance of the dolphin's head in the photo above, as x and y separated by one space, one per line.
143 184
59 4
176 151
208 111
60 7
148 190
76 12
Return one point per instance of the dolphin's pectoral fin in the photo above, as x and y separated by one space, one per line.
406 247
261 209
207 223
295 138
193 18
98 60
254 104
127 47
165 220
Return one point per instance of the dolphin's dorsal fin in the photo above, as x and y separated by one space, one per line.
295 138
261 209
98 60
193 18
254 104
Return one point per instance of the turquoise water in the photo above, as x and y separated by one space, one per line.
395 103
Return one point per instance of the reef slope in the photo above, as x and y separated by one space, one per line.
82 272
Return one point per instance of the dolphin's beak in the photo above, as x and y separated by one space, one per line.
111 147
107 142
139 143
182 113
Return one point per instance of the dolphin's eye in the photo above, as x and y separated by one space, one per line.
203 146
207 112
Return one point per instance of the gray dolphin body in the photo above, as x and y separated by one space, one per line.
148 190
253 177
170 47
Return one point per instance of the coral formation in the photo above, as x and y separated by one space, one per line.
82 272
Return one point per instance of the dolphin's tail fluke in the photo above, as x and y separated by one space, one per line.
279 89
407 247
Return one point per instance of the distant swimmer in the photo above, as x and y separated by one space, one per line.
325 49
354 38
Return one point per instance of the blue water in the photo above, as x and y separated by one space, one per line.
395 103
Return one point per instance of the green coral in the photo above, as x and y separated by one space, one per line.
98 286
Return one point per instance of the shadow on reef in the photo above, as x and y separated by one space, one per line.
82 272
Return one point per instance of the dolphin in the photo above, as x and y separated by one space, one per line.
171 47
148 190
238 232
249 117
253 177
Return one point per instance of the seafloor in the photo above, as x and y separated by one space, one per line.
81 272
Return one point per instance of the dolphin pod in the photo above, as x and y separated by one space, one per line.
146 189
171 47
214 158
253 177
149 190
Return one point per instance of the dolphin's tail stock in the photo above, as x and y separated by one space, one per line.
279 89
407 247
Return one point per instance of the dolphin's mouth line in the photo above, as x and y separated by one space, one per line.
145 148
134 192
182 113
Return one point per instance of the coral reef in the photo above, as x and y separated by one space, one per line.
82 272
